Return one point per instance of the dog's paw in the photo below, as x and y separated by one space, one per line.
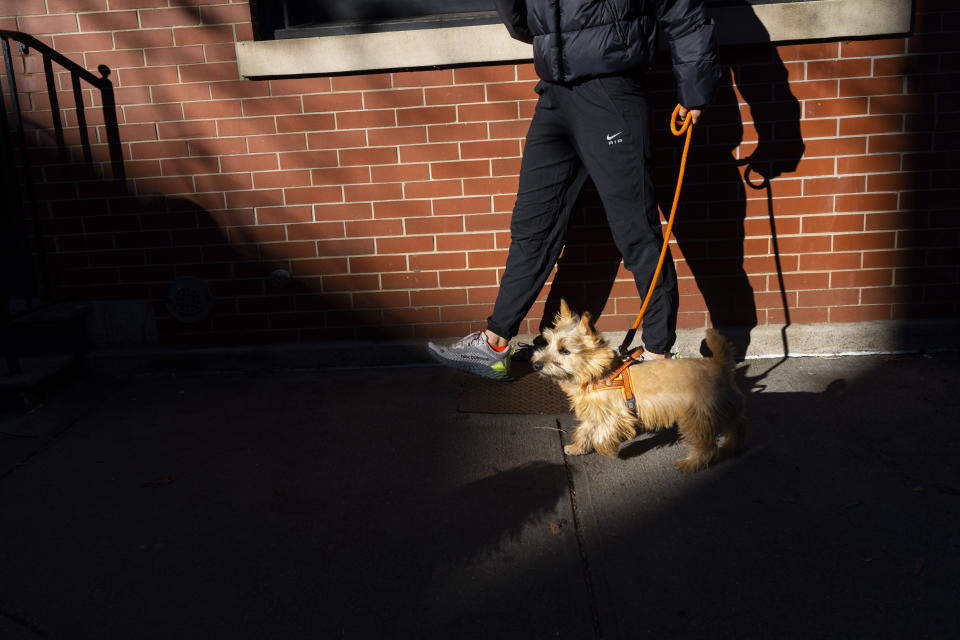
690 466
574 450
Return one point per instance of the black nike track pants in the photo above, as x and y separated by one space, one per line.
599 128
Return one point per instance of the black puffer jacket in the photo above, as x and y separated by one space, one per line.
579 39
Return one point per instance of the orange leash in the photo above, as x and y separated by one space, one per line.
685 127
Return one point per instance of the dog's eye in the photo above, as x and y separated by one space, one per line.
564 351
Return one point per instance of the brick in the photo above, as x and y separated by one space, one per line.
449 206
312 122
223 182
224 13
890 181
396 136
437 297
362 82
871 86
249 162
152 113
246 126
225 52
347 247
174 55
869 163
211 109
314 230
467 278
366 119
259 198
336 139
175 17
341 175
490 149
374 228
487 112
865 278
870 48
437 261
433 189
399 172
298 86
282 215
866 202
871 124
43 25
827 186
511 91
423 78
459 132
426 115
186 129
392 99
422 280
312 195
178 93
332 102
401 209
860 313
373 192
84 42
377 264
434 225
864 241
368 156
211 72
804 244
483 75
454 95
464 169
229 89
278 142
839 68
832 223
834 108
281 179
164 149
429 152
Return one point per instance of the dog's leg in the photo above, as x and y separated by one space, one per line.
736 436
700 438
581 442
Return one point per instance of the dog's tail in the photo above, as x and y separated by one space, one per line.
721 348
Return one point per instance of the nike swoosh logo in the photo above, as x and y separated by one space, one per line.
614 135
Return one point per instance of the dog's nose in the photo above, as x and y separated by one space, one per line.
537 366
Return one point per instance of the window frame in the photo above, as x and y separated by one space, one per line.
777 22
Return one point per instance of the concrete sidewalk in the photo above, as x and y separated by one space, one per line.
359 503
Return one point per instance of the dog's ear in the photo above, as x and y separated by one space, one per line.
586 323
565 312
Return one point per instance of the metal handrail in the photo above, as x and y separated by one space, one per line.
15 215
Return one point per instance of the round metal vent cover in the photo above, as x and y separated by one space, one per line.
189 299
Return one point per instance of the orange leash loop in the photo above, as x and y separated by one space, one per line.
686 127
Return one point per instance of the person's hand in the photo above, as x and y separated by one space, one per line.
694 114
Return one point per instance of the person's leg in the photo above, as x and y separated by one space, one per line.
613 138
551 176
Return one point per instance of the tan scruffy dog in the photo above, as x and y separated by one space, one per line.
697 394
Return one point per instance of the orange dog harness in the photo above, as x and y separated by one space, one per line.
620 379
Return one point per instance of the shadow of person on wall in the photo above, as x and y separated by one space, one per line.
710 223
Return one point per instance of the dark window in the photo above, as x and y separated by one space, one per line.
276 19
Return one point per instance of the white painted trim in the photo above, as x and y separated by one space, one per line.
424 48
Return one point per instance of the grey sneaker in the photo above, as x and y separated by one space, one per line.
474 355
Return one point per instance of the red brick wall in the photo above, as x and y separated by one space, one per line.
388 195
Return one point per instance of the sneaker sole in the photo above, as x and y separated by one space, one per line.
481 370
